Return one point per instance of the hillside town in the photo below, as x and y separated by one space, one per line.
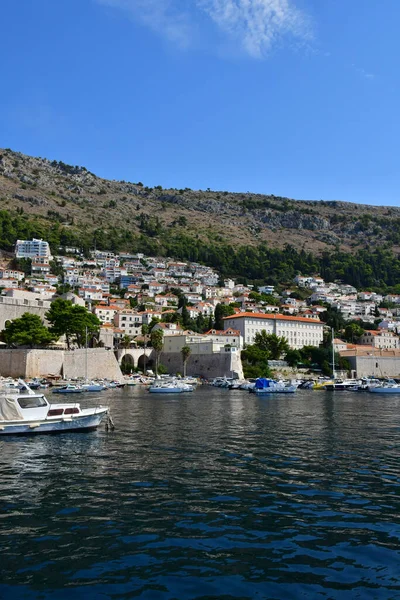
134 294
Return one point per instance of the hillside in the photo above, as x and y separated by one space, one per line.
58 193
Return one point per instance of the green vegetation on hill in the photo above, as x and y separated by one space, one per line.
376 269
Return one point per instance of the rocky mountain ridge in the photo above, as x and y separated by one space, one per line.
75 197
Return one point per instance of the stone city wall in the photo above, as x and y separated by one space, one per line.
70 364
205 365
375 366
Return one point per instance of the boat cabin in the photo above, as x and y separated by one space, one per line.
32 407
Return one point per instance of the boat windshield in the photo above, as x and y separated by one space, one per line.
32 402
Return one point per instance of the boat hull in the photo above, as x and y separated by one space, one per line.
268 391
79 423
388 390
166 390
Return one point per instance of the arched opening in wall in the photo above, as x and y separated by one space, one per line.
145 362
127 364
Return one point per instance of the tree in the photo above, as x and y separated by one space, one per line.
221 311
154 321
352 332
255 362
185 316
133 302
333 318
28 330
274 345
186 352
73 321
157 342
293 357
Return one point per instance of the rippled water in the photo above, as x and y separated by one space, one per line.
215 494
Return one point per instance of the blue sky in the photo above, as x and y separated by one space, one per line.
291 97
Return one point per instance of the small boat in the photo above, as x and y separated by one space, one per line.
265 386
92 387
222 382
115 384
170 387
69 389
321 384
29 413
386 387
341 385
364 384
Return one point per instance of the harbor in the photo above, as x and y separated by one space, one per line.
251 496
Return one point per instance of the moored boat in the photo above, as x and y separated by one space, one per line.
265 386
386 387
92 387
30 413
341 385
68 389
170 387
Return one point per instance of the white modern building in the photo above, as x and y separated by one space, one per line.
32 248
298 331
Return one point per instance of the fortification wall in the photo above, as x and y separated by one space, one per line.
205 365
101 363
71 364
375 366
13 363
14 308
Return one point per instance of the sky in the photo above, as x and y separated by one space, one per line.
298 98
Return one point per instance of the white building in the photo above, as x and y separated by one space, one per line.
12 274
380 339
266 289
129 321
106 313
298 331
32 249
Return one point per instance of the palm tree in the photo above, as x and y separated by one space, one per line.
157 341
145 331
186 352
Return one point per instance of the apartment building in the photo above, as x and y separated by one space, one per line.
32 248
129 322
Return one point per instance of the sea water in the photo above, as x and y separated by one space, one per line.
212 494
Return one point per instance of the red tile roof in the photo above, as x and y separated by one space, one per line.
273 317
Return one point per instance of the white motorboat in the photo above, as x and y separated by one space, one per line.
170 387
386 387
29 413
69 389
91 386
341 385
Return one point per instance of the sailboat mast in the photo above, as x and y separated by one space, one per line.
86 356
333 352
